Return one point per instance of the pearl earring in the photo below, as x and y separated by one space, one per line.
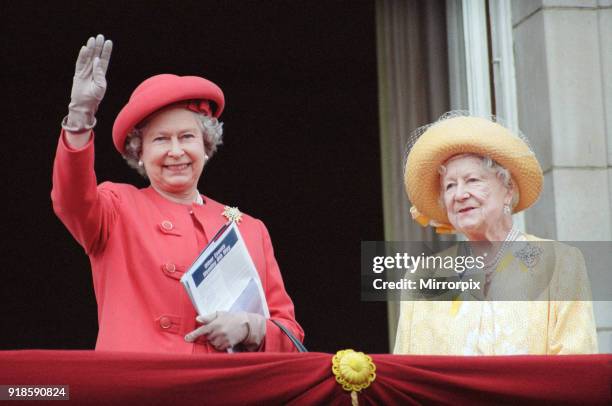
140 163
206 157
506 209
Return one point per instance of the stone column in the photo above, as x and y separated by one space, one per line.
563 54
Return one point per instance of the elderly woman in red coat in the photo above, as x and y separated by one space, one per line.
141 241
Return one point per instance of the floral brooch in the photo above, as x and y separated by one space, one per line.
529 255
232 214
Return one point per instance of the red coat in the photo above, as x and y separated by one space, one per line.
139 245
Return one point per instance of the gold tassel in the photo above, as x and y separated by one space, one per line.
354 399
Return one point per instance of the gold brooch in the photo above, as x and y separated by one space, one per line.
232 214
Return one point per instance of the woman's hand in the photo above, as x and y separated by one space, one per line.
224 330
88 85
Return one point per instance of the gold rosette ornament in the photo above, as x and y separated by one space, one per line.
354 371
232 214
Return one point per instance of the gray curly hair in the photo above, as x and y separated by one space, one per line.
212 132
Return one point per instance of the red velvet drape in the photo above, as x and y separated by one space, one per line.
262 378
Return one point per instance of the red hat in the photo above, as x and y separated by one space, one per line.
159 91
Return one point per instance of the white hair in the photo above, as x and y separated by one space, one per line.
212 133
491 166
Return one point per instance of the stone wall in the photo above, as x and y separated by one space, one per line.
563 56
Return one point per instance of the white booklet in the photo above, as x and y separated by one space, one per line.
224 277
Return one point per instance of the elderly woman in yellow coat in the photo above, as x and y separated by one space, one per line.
468 175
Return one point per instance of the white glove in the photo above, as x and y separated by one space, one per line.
88 85
225 330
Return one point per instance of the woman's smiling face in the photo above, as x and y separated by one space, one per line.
473 196
173 150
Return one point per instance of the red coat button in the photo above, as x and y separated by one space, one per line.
165 322
170 268
167 225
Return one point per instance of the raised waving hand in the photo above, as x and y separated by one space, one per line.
88 85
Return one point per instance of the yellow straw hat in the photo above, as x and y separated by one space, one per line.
465 135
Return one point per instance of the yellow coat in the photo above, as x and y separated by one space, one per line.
545 326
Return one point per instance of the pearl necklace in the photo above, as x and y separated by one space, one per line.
511 237
490 268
